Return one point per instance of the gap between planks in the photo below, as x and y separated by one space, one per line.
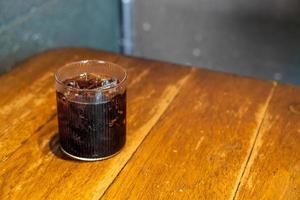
181 82
252 154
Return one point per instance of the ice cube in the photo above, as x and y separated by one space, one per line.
106 83
71 83
83 75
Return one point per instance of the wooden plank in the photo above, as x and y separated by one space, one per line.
28 95
38 170
200 147
273 171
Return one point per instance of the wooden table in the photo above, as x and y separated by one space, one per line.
192 134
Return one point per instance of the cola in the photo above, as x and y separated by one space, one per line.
91 118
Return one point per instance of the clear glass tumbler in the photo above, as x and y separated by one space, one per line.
91 108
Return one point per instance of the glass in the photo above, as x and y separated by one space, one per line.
91 107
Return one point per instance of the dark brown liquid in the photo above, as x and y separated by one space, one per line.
92 130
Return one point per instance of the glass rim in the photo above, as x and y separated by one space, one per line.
58 80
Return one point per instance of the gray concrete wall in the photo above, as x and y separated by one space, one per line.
31 26
255 38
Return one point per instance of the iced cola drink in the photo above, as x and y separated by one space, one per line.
91 108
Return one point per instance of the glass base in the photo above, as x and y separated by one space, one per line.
87 159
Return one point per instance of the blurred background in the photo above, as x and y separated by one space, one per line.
254 38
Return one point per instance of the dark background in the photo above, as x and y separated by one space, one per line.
253 38
259 38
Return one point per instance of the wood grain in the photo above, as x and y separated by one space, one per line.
273 171
33 167
199 149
